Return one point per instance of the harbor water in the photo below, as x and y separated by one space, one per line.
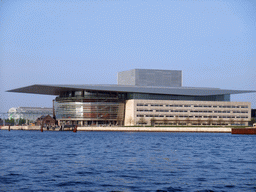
126 161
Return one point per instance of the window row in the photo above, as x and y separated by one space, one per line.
223 123
185 111
201 111
186 116
201 106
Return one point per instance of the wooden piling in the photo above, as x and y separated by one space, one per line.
75 129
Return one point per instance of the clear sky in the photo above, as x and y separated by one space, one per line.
88 42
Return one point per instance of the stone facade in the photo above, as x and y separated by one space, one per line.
164 112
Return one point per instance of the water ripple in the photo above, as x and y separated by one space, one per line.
115 161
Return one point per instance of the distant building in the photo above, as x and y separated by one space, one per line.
144 97
47 120
29 113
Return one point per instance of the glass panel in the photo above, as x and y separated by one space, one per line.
78 93
178 97
90 110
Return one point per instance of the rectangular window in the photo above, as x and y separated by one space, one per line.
175 105
141 104
144 110
156 105
78 93
162 110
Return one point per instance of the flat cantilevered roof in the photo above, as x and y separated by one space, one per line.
189 91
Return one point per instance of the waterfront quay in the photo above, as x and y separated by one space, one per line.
128 129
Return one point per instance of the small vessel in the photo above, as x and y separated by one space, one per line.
247 131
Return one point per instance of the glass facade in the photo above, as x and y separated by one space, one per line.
178 97
90 106
90 110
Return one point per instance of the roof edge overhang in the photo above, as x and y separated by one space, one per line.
189 91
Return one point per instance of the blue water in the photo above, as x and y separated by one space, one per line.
119 161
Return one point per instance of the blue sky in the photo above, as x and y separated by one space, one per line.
88 42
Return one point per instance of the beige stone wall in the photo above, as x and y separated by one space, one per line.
129 113
173 112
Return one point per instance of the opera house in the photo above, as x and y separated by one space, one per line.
144 97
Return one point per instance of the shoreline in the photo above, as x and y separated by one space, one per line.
131 129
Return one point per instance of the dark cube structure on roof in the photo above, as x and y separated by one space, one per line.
150 77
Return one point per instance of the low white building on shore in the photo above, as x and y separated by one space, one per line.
29 113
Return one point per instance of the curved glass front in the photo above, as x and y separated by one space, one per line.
89 110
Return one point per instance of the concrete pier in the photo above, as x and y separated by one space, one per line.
158 129
133 129
19 127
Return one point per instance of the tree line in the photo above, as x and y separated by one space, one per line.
12 121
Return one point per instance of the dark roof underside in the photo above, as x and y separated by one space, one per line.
57 89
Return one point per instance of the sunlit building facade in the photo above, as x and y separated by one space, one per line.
144 97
